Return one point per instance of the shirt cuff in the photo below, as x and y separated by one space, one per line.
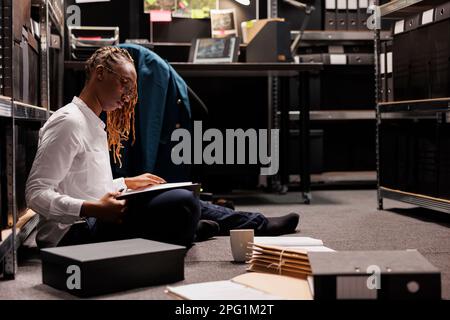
119 184
75 208
67 210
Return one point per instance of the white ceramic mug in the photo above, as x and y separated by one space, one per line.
240 239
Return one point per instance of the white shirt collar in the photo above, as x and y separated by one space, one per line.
88 112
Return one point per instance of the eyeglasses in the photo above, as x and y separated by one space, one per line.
126 83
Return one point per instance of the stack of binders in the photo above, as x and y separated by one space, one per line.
426 74
439 33
345 15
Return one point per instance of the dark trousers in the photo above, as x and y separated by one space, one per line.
171 217
229 219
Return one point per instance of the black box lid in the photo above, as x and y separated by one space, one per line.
358 262
109 250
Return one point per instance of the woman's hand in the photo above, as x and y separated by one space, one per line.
143 181
107 209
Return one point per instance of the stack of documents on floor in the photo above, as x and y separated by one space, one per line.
249 286
284 255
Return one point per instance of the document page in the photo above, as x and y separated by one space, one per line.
288 241
159 187
219 290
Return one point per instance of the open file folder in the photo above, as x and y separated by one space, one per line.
248 286
195 187
268 284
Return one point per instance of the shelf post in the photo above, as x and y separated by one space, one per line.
374 23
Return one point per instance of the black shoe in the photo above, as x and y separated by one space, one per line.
280 225
206 229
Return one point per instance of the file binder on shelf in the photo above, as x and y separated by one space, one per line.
360 59
412 22
439 33
341 14
401 61
362 14
389 91
383 86
442 12
420 87
352 15
330 15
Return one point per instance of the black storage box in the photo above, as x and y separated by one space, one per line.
112 266
402 275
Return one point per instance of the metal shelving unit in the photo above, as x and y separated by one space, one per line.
323 118
341 36
22 111
437 109
5 107
56 15
335 115
426 105
402 8
51 20
12 239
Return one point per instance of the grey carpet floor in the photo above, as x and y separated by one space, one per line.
344 220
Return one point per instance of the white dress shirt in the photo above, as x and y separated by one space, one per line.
71 166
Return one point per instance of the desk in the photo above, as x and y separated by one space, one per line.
283 70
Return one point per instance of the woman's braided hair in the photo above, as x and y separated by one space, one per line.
119 121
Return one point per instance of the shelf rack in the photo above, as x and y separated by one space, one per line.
15 112
433 108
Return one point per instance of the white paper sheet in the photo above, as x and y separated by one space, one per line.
288 241
156 187
219 290
313 248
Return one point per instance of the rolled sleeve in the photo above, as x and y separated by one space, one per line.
119 184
